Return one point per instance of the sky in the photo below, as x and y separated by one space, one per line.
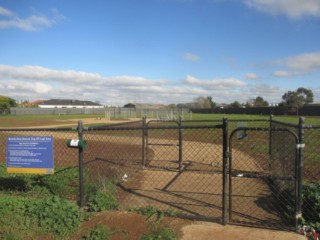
159 51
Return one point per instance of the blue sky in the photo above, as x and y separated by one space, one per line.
159 51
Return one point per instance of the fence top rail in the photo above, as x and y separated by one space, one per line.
312 127
263 129
99 128
203 121
248 120
287 124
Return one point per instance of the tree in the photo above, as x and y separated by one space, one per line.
129 105
201 102
260 102
6 103
293 100
212 103
257 102
235 104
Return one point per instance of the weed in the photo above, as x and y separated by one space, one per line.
103 196
154 215
100 232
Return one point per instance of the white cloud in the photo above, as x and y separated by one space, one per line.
285 74
270 93
294 9
191 57
251 76
216 84
304 62
300 64
36 82
32 23
5 12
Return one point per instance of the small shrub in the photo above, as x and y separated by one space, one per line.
311 203
56 215
100 232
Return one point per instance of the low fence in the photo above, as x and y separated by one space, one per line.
242 172
109 112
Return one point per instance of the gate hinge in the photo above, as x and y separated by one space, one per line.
300 145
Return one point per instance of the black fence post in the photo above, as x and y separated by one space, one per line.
270 142
225 164
180 144
144 133
81 184
299 171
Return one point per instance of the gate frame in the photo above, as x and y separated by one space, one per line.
298 164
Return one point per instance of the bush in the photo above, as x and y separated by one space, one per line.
311 203
56 215
15 221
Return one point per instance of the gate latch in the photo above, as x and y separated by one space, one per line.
301 145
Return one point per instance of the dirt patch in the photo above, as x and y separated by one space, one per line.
129 225
213 231
126 225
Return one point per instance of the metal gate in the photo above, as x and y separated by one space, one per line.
263 182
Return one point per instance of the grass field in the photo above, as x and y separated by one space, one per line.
61 120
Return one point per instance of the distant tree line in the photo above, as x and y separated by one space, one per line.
6 103
292 102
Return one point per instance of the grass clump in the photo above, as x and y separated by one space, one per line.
102 197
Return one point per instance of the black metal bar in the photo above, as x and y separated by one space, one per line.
287 124
299 172
230 175
270 142
224 175
180 145
143 142
81 183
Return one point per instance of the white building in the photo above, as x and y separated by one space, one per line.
69 103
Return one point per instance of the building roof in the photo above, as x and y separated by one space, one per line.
68 102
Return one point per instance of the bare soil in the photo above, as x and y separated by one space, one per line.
129 225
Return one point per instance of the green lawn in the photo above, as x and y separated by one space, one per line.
312 120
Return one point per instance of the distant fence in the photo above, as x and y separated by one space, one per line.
308 110
109 113
250 172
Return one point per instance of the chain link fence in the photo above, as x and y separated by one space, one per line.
241 172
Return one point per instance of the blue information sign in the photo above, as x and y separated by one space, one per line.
30 154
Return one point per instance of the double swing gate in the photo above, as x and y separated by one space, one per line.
229 173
